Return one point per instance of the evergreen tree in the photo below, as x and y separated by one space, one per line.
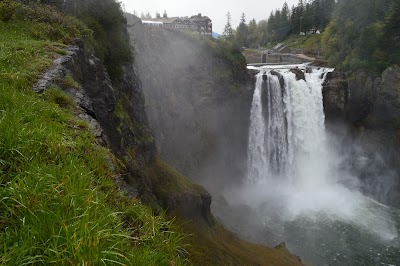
242 32
359 35
262 29
392 34
284 27
254 36
228 31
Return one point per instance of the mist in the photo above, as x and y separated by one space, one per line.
290 175
309 190
198 108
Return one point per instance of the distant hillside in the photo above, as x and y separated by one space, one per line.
216 35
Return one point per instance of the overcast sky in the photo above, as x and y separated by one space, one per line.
216 10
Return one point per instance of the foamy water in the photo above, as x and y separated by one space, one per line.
294 176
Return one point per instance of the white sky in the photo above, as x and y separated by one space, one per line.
214 9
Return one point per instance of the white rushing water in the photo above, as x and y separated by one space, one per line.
287 123
294 173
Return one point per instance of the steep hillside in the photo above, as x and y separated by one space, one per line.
363 35
58 201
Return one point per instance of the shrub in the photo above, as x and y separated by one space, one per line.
70 82
106 19
46 22
8 9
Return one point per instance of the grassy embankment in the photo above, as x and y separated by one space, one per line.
311 45
58 204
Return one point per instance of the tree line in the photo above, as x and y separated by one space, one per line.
355 33
281 23
363 34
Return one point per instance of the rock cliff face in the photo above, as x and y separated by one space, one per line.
198 98
369 106
115 112
363 99
335 95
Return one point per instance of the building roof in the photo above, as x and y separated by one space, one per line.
173 19
150 21
278 46
163 20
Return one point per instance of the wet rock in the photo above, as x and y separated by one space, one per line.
193 206
281 246
335 95
299 74
275 73
387 105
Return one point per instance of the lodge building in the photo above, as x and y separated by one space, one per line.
197 23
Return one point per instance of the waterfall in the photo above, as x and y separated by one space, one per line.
257 151
286 124
297 189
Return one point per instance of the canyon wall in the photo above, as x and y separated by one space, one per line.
198 95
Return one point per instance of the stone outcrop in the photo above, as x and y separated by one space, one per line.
299 74
115 112
387 105
335 95
369 106
374 101
363 99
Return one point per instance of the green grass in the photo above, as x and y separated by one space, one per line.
58 204
71 83
168 182
310 43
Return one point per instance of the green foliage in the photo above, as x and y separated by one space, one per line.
310 43
106 19
103 26
284 22
242 33
71 83
230 64
58 203
392 34
58 96
167 181
46 23
354 38
228 30
8 10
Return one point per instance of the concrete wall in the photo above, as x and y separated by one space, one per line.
282 58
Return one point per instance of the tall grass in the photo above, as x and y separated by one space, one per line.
58 204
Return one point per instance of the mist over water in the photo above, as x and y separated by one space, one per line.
297 189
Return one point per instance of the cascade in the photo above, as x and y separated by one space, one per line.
286 123
296 186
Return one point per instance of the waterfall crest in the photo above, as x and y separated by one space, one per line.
287 123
